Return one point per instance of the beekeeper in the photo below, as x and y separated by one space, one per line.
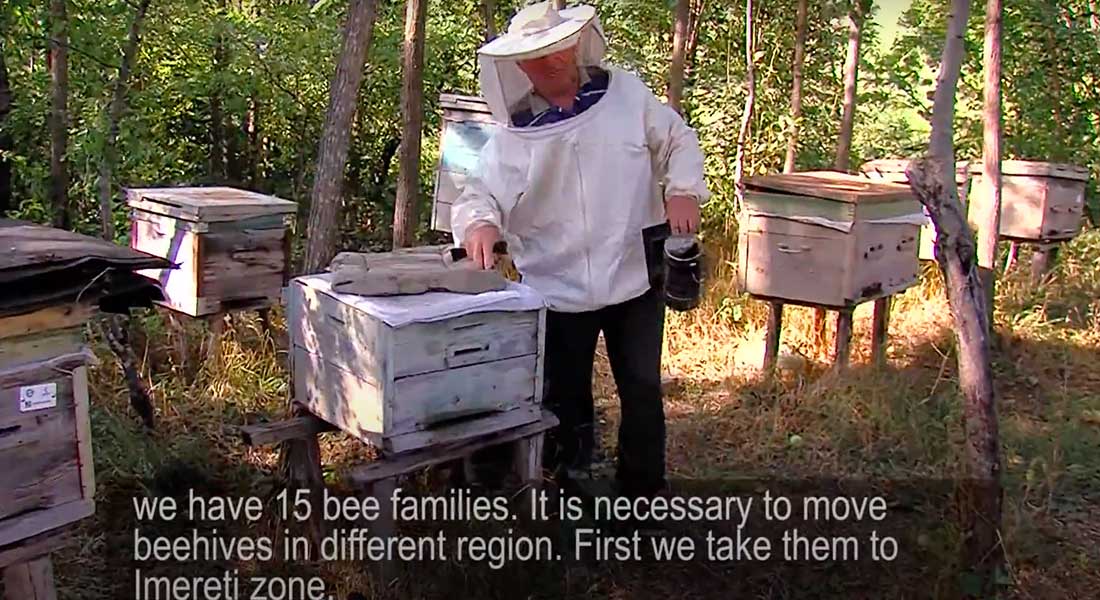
584 178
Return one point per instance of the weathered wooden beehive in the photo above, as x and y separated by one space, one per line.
231 246
827 239
45 441
1040 202
405 372
467 125
893 171
57 280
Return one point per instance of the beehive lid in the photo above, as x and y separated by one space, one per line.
830 185
458 102
208 204
893 170
1040 169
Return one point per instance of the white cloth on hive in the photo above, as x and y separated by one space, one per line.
398 311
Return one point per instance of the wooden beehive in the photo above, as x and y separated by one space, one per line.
231 246
45 443
467 125
412 385
1040 202
893 171
827 239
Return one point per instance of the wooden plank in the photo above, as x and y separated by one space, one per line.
41 464
879 331
300 464
46 319
338 396
1037 168
40 346
37 546
843 338
83 432
422 401
469 339
528 460
772 335
214 203
32 580
263 434
540 366
797 268
37 522
445 451
831 185
346 337
384 526
43 372
463 430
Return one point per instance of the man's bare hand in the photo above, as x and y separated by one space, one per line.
479 245
683 214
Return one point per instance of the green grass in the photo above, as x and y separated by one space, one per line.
903 422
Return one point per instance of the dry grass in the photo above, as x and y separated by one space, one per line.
900 422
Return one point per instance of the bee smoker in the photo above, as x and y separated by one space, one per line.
683 257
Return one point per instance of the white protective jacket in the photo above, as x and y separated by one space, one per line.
572 198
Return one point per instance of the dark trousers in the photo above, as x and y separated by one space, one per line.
633 332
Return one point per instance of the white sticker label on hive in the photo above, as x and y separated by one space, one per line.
37 397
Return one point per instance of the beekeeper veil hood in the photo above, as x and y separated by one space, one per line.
537 30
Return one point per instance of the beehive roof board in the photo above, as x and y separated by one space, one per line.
1042 169
830 199
893 170
208 204
43 266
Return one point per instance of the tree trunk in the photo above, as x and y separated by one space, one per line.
796 85
559 4
488 14
336 136
679 46
991 154
59 114
217 169
1094 16
412 121
114 114
746 115
851 78
933 182
5 134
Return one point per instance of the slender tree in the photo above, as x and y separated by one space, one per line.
796 85
412 121
559 4
489 15
5 134
679 50
59 114
114 115
336 136
991 153
750 103
856 15
933 182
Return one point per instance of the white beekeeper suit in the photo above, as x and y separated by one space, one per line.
572 198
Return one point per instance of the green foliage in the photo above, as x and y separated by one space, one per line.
264 66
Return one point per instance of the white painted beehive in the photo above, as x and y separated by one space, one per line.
827 239
406 385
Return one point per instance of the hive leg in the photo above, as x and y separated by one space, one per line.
31 580
880 330
843 338
771 340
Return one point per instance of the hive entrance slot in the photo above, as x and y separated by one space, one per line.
457 418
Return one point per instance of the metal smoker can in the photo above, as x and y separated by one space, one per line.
684 273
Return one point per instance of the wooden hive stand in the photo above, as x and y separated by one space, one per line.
831 241
380 477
